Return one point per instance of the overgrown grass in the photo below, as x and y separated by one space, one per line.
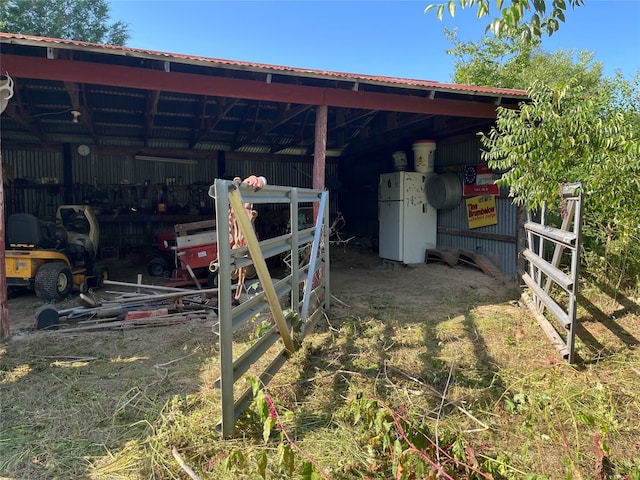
386 391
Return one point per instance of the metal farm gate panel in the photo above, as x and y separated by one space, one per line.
296 302
544 275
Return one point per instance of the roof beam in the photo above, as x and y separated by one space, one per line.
236 143
209 123
199 121
18 112
354 117
134 77
12 113
153 97
289 114
284 118
73 90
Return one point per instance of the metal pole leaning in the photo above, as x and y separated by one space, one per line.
260 265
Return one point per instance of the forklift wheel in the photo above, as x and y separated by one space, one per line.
159 267
54 281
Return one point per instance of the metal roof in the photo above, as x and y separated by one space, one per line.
145 100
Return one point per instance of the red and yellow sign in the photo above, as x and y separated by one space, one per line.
481 211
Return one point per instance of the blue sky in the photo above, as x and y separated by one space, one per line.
378 37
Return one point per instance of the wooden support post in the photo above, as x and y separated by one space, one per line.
319 152
4 300
7 93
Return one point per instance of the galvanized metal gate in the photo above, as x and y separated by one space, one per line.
304 291
552 282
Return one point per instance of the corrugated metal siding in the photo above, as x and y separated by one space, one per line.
121 142
34 171
33 165
292 173
462 153
502 253
289 172
114 183
124 170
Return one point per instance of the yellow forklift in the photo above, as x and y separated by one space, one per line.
54 260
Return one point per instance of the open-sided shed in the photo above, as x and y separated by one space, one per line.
127 129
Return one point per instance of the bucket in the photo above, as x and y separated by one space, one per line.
444 191
399 161
423 155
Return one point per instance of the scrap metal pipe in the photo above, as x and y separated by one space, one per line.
147 287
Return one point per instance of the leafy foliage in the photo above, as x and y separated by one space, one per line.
567 134
522 18
577 127
511 62
492 61
83 20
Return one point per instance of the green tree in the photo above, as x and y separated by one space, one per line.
525 18
492 61
567 133
83 20
510 62
576 127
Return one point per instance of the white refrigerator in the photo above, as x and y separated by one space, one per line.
408 224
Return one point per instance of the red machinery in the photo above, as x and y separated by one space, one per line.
187 250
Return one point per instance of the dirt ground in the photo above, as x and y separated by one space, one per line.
360 282
358 278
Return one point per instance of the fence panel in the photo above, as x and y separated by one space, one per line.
543 275
296 302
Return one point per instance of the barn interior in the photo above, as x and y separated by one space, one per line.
141 135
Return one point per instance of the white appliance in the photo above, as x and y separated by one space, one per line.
408 224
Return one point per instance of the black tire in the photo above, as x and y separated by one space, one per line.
54 281
159 267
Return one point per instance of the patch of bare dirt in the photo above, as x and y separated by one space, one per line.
358 278
361 280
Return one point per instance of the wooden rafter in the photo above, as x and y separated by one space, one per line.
412 119
339 124
256 121
236 137
199 122
300 138
79 102
151 110
286 116
18 112
349 119
12 113
224 106
454 126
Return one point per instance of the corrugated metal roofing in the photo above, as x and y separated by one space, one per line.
243 65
